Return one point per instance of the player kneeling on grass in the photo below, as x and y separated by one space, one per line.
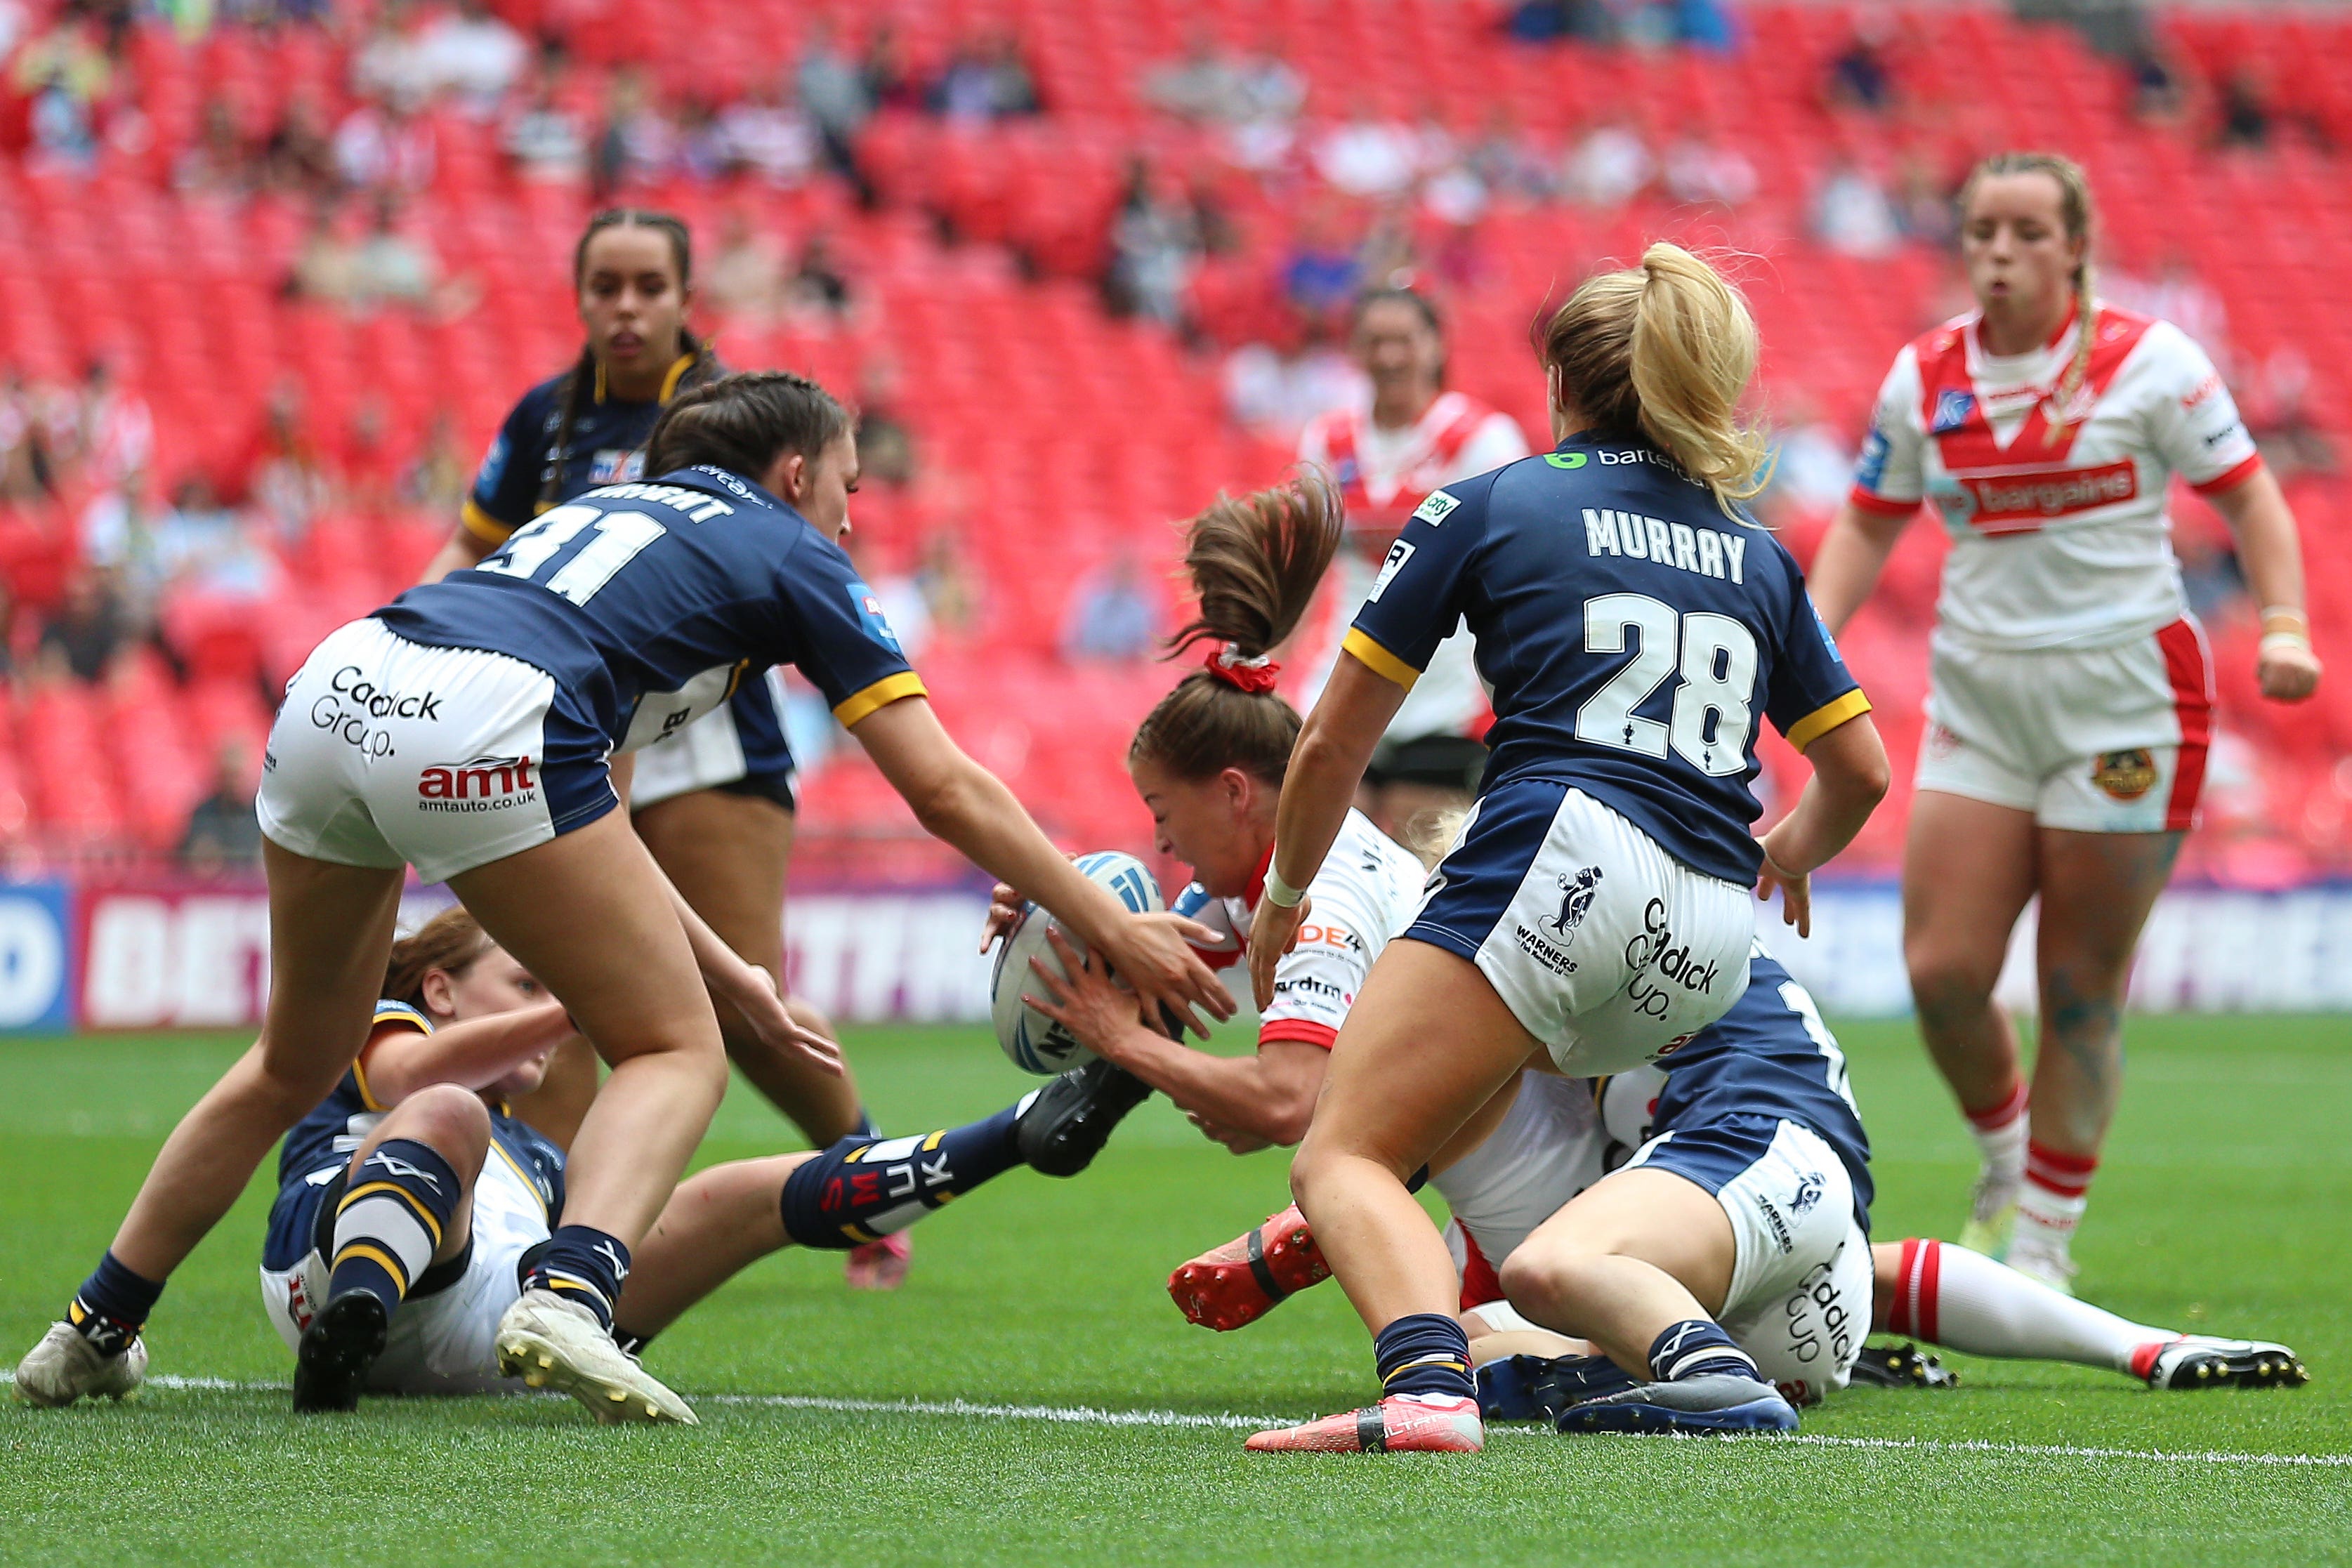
1779 1263
411 1203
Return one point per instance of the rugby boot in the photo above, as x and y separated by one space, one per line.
2194 1361
65 1366
1992 1215
880 1264
1539 1387
1400 1424
1711 1402
1238 1284
1900 1367
550 1343
1071 1118
331 1364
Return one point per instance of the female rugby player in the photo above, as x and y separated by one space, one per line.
1596 902
2071 692
411 1200
464 729
713 802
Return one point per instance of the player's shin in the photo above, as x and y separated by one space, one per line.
398 1206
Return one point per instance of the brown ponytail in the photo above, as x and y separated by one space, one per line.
450 942
1255 563
2076 212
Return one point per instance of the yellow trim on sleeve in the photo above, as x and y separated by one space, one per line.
483 526
1827 718
390 1012
1379 660
359 1076
880 695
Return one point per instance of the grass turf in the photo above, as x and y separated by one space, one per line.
2219 1208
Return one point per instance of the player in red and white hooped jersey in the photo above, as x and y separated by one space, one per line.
1388 449
2072 692
1209 761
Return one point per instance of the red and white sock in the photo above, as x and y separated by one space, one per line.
2049 1205
1950 1296
2000 1134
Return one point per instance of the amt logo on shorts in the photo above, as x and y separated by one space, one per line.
354 703
484 784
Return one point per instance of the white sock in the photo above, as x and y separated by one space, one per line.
2049 1205
1951 1296
2000 1135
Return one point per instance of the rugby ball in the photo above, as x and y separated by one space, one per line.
1035 1042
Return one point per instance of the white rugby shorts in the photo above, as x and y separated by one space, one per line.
388 752
2098 740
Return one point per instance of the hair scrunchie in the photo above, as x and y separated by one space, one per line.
1253 675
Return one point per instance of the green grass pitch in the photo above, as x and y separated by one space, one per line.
2222 1206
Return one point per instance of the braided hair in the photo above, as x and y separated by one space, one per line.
582 374
2075 210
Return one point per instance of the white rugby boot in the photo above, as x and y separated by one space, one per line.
550 1343
65 1367
1992 1215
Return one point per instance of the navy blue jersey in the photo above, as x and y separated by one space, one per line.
321 1145
650 602
607 446
1769 1057
1632 634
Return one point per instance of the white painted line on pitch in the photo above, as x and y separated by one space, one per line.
1088 1416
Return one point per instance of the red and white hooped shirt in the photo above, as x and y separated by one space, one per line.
2059 538
1382 475
1368 890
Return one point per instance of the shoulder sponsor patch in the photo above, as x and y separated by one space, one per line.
868 607
1952 411
1870 468
1435 507
1398 553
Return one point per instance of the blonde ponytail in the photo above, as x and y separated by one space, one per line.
1664 353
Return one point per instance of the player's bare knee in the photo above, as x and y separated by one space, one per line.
449 1120
1948 987
1540 1279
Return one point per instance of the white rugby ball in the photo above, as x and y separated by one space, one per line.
1035 1042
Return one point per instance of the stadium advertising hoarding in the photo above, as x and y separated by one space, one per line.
158 956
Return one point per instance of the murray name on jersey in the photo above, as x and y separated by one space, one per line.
1708 552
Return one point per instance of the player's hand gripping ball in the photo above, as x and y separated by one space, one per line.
1035 1042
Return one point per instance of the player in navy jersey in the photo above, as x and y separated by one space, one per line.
1634 626
469 728
714 802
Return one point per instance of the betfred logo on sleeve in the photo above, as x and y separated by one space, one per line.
868 607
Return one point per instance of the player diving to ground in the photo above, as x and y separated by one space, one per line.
413 1201
467 729
1766 1081
1635 625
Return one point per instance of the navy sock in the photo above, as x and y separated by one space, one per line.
582 1264
867 1127
1696 1348
863 1188
112 1305
391 1220
1424 1353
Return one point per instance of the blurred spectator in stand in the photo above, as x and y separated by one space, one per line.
71 55
1548 21
1273 394
392 266
223 834
745 280
217 161
436 480
1860 76
382 147
833 94
367 472
1367 156
1852 214
85 633
8 670
985 79
1111 618
390 64
1699 169
767 138
820 287
1155 248
946 581
1388 254
2177 295
118 432
326 268
64 134
889 81
28 467
2244 112
2210 578
2293 443
1507 161
1209 86
1925 205
471 54
119 535
702 152
886 447
1609 166
546 140
636 141
1319 276
282 471
2155 94
1813 466
299 159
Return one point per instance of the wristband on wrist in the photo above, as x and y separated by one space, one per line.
2278 641
1278 892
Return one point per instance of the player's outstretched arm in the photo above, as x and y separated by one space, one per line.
1853 553
1850 778
963 804
471 1053
2272 553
